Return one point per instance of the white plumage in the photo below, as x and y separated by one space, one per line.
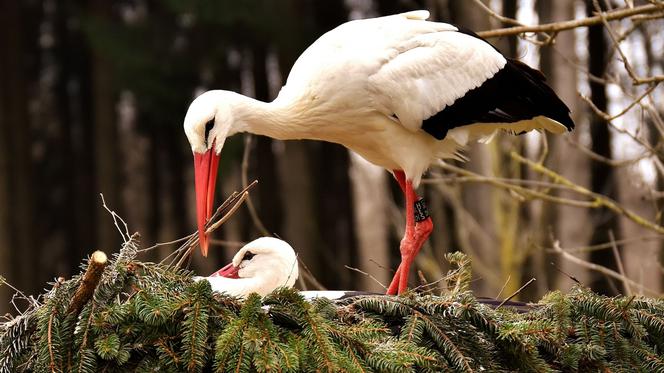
371 84
272 264
348 85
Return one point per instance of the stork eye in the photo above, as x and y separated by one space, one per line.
208 128
248 255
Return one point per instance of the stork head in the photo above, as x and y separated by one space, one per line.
208 122
265 264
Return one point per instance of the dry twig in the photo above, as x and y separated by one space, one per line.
223 212
516 292
619 263
636 80
598 268
245 170
366 274
597 200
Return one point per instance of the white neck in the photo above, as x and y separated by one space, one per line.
278 119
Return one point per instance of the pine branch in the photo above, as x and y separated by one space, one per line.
168 322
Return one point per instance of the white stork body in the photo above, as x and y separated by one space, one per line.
398 90
259 267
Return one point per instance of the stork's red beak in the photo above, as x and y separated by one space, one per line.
205 172
229 271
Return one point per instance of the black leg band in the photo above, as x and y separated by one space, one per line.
421 212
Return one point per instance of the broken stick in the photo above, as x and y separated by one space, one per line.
91 278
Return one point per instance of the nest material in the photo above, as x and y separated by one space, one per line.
152 317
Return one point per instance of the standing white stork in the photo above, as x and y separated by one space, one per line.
260 266
400 91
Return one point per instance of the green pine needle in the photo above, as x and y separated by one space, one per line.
146 317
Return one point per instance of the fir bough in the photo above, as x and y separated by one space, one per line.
149 317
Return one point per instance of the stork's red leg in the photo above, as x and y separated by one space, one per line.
417 232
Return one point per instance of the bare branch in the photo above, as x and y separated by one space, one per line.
497 16
516 292
636 80
619 262
598 200
366 274
250 205
572 24
596 267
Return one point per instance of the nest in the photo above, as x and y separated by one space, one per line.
126 315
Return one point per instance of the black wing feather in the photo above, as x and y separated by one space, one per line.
516 92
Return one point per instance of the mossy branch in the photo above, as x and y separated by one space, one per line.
596 200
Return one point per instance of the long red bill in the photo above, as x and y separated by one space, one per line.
205 173
228 271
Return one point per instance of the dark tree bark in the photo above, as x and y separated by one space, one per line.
264 164
509 10
105 147
602 175
70 154
8 9
333 190
477 198
17 198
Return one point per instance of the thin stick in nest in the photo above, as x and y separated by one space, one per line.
223 212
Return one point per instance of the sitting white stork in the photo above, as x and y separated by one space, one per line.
260 266
401 91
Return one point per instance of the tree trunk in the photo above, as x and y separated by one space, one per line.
105 137
268 208
477 197
508 211
602 178
19 233
8 10
370 212
563 220
299 216
337 245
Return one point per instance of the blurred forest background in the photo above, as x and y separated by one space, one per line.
93 94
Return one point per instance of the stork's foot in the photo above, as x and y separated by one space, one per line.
410 247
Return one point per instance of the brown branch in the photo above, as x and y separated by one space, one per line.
522 192
608 117
227 208
596 267
555 27
420 276
96 265
366 274
632 74
497 16
516 292
258 223
607 245
573 278
598 200
509 277
619 263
